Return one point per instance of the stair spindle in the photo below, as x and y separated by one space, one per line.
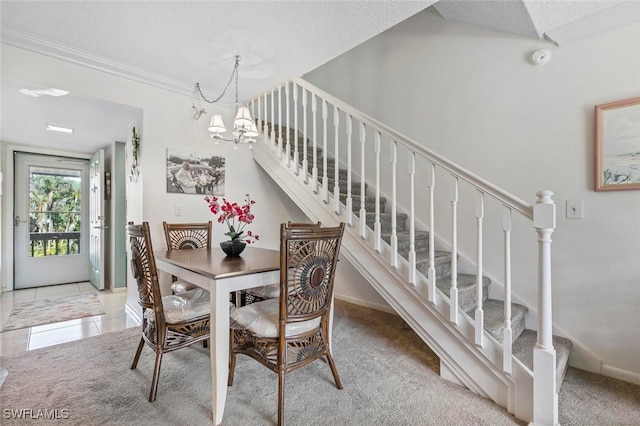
296 154
259 118
336 150
363 210
394 235
305 161
273 120
377 228
266 114
453 311
314 170
349 208
252 108
287 156
479 314
506 334
431 272
412 214
280 122
325 178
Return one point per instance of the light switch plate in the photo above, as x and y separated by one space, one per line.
575 209
178 211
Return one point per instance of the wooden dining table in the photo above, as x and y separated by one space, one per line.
212 270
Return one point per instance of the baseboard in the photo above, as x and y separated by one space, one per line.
447 374
118 289
135 312
620 374
584 359
365 303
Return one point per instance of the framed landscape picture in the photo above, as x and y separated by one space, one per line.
618 145
190 172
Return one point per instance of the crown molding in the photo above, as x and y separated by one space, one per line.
25 40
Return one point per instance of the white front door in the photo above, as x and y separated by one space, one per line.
50 220
96 219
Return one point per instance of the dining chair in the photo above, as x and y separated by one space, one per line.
181 236
271 291
291 331
168 323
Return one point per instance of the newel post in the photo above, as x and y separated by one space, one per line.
545 397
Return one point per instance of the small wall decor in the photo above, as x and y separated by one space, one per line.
134 172
618 145
191 172
107 185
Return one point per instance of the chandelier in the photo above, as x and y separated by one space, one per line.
244 128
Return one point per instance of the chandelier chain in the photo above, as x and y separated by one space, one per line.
244 127
234 73
237 63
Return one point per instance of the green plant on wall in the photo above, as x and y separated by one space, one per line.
134 172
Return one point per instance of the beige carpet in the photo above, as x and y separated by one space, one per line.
389 377
53 309
387 373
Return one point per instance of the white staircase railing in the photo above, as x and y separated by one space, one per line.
432 179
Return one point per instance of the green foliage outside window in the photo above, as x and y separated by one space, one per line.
54 208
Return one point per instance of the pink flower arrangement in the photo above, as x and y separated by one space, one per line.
235 216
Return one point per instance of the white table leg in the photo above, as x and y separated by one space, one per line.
219 348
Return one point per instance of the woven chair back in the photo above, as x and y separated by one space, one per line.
180 236
143 268
308 258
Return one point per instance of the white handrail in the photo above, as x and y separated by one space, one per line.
514 202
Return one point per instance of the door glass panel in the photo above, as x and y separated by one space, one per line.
54 211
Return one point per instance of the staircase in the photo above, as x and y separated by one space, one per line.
414 270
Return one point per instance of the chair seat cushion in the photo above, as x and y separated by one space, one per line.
184 306
261 318
182 287
265 291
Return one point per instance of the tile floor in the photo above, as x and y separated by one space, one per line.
26 339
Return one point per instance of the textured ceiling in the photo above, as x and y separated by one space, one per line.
178 43
174 44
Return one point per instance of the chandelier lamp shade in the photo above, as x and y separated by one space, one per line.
244 128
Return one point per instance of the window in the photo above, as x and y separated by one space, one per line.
54 211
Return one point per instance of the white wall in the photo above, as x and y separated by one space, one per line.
471 94
166 122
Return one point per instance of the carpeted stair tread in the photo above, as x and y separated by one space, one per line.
369 201
442 263
494 318
421 241
331 171
331 168
439 256
466 284
385 222
523 350
342 184
403 234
